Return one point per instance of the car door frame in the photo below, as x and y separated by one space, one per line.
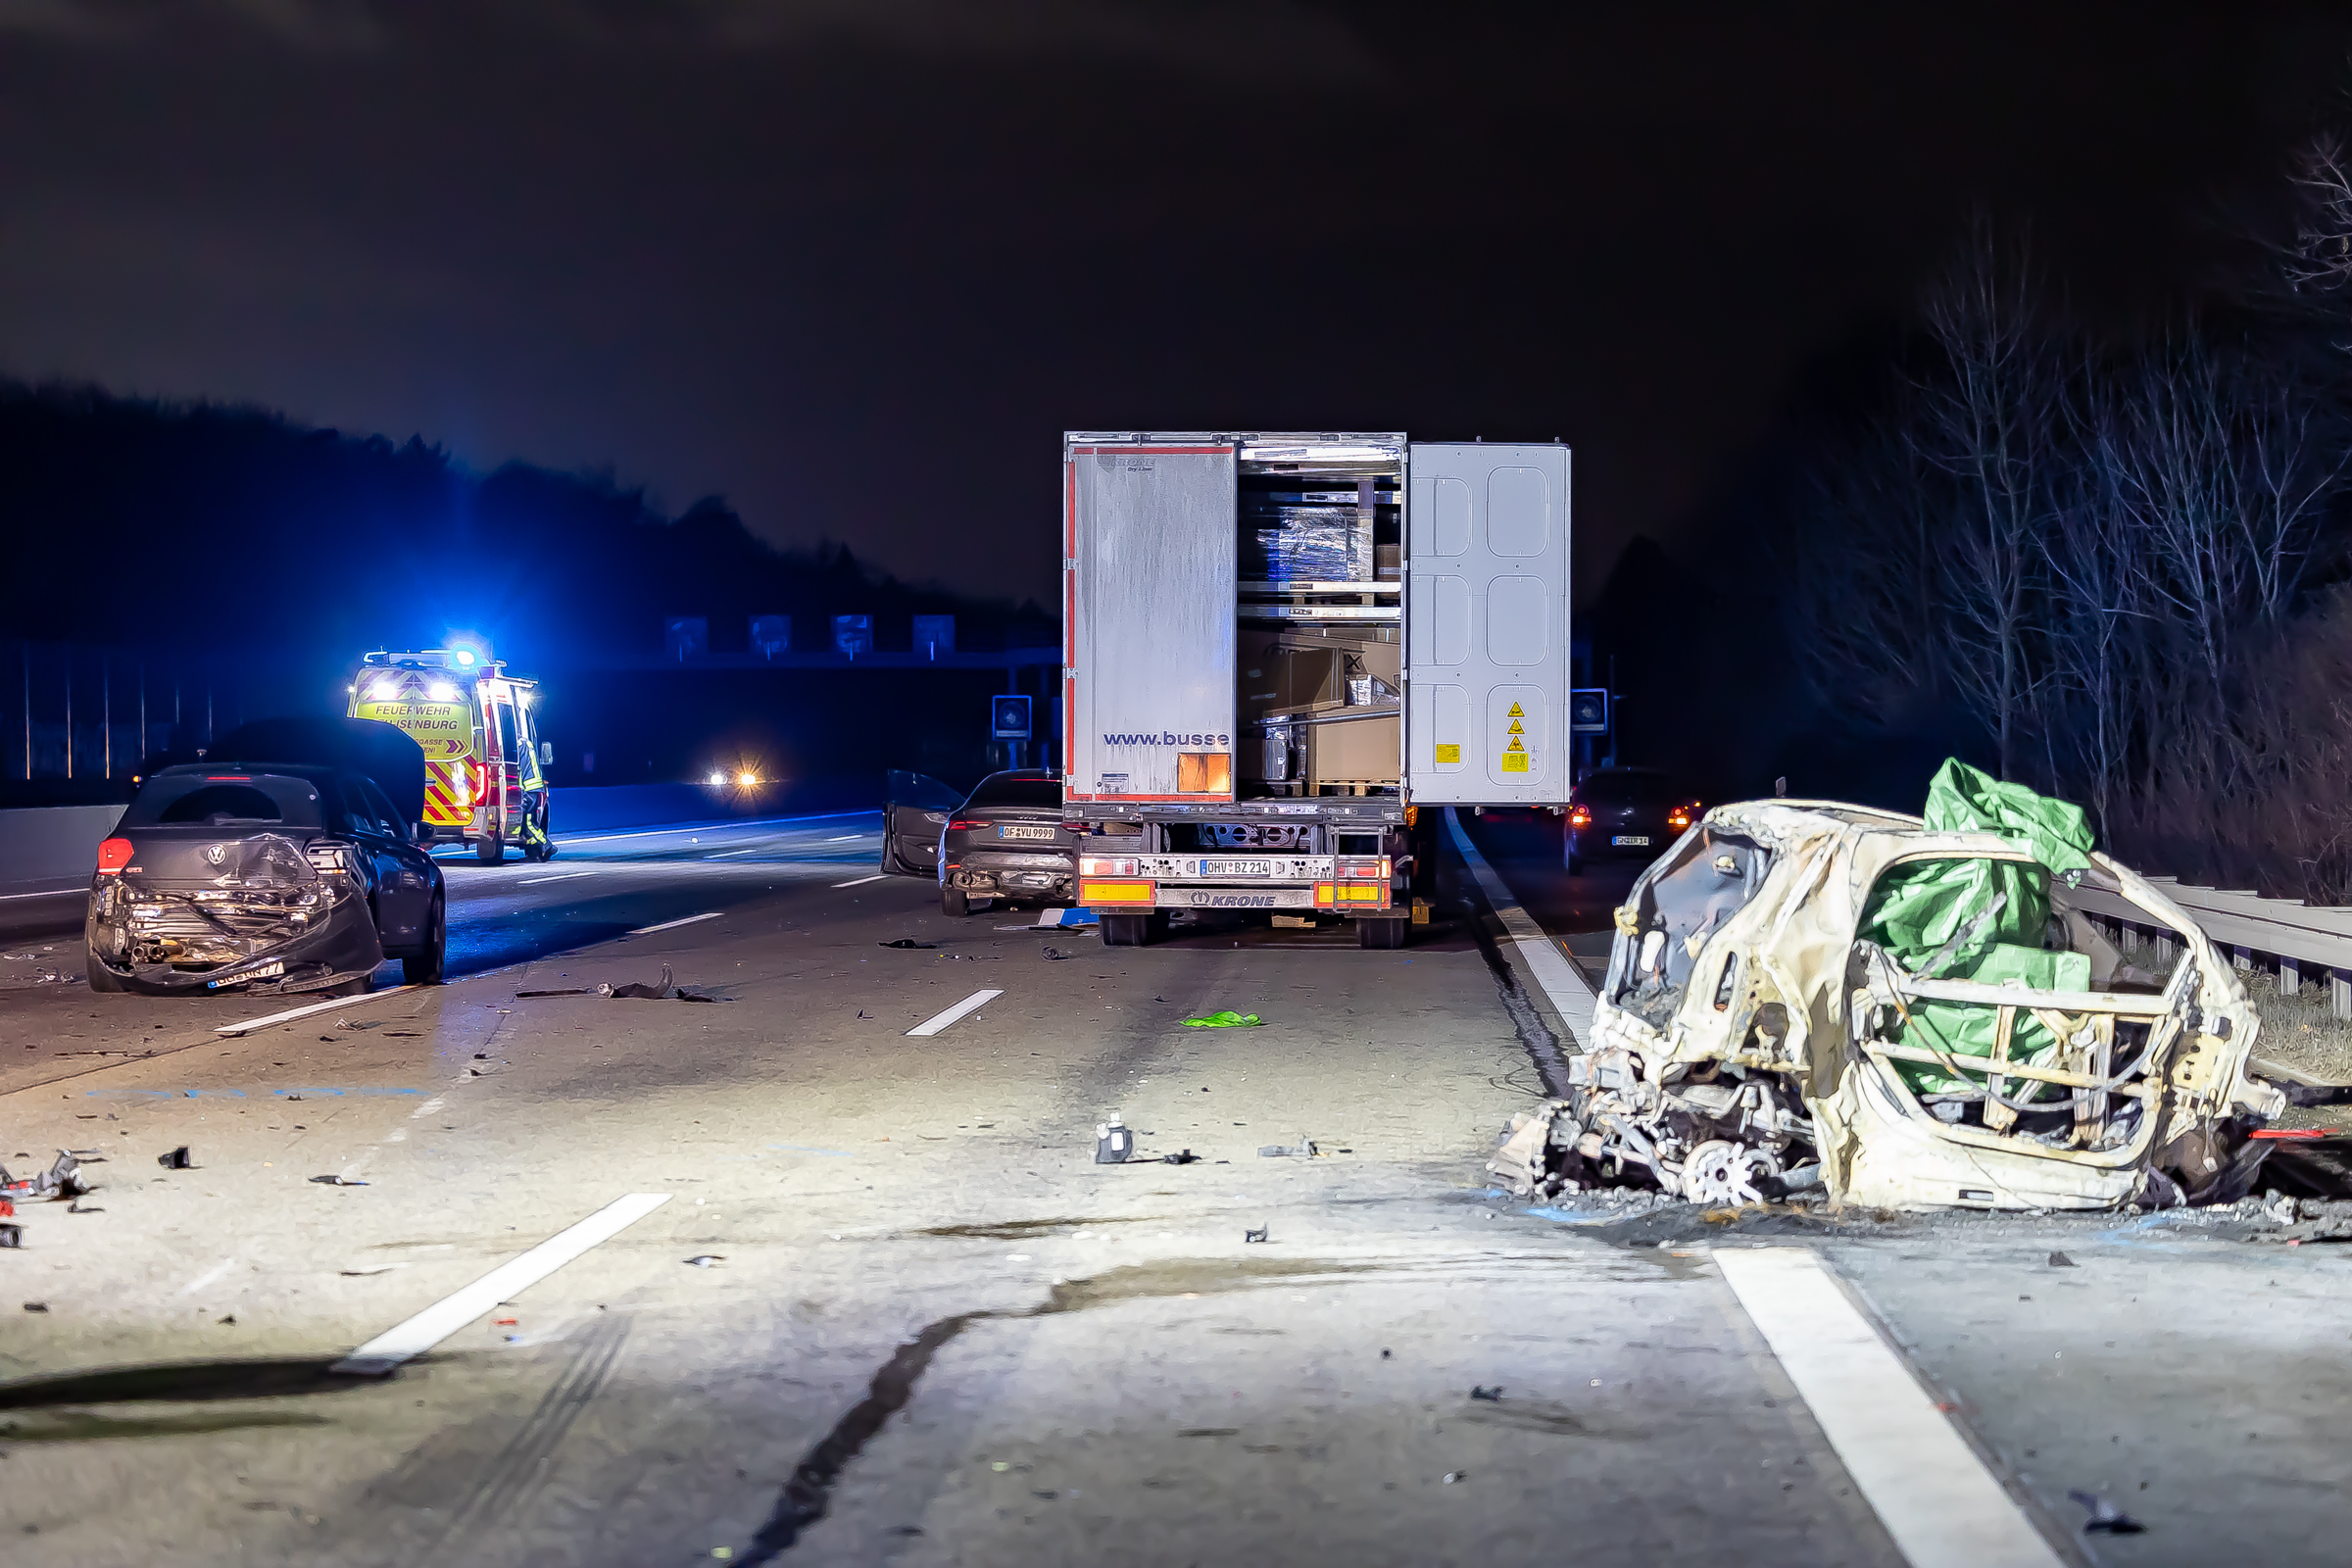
913 825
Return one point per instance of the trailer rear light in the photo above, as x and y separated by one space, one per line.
1364 866
113 855
1334 895
1108 865
1090 893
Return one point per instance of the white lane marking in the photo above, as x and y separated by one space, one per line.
56 894
704 827
207 1277
862 881
848 838
1943 1508
563 876
972 1003
437 1322
1539 955
291 1013
668 925
724 854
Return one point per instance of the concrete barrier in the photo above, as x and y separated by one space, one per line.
48 845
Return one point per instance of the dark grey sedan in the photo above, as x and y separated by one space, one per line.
1004 840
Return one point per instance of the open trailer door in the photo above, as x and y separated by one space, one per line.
1148 555
1487 625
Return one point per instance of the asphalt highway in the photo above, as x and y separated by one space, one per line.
781 1278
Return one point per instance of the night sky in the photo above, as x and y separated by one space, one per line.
856 264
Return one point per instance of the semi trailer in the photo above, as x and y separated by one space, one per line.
1283 651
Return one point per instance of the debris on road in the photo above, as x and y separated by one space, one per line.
645 992
1257 1235
1493 1396
337 1181
2105 1517
2061 1261
1224 1020
1055 952
1452 1476
63 1179
1304 1148
637 990
37 1306
908 944
1115 1144
1186 1158
177 1159
12 1236
568 991
1917 1012
705 1260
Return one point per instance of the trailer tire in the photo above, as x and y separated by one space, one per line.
954 903
1382 934
1130 929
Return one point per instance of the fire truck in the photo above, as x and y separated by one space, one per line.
485 778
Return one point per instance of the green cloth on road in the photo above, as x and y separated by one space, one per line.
1223 1020
1920 908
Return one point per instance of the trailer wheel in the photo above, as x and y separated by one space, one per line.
1388 933
1129 929
954 903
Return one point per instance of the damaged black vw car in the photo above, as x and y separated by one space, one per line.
270 876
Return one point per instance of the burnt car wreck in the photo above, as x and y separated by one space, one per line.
1909 1012
280 876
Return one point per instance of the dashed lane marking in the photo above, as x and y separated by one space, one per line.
1943 1508
672 925
561 876
969 1004
863 881
248 1025
437 1322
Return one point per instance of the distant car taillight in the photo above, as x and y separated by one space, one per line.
1580 817
113 855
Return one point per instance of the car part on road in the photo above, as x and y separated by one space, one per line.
1257 1235
331 1180
908 944
705 1260
177 1159
1182 1158
2105 1517
1113 1142
639 989
1914 1005
63 1179
1224 1020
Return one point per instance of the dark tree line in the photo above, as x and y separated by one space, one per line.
2124 560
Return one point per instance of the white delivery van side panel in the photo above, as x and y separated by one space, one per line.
1486 612
1150 538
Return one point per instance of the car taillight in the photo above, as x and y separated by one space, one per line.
113 855
1108 866
965 822
1580 817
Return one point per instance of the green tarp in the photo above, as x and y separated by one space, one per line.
1920 910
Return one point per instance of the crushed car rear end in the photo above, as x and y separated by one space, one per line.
1910 1012
227 881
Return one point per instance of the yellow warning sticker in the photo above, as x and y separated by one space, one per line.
1516 728
1516 712
1514 762
1515 746
1450 753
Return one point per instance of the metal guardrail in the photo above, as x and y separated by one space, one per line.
2292 936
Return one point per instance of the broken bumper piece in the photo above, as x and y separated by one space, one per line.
1907 1013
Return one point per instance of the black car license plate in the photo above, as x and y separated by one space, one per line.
1024 830
1631 841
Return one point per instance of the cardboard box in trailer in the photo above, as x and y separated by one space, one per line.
1282 649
